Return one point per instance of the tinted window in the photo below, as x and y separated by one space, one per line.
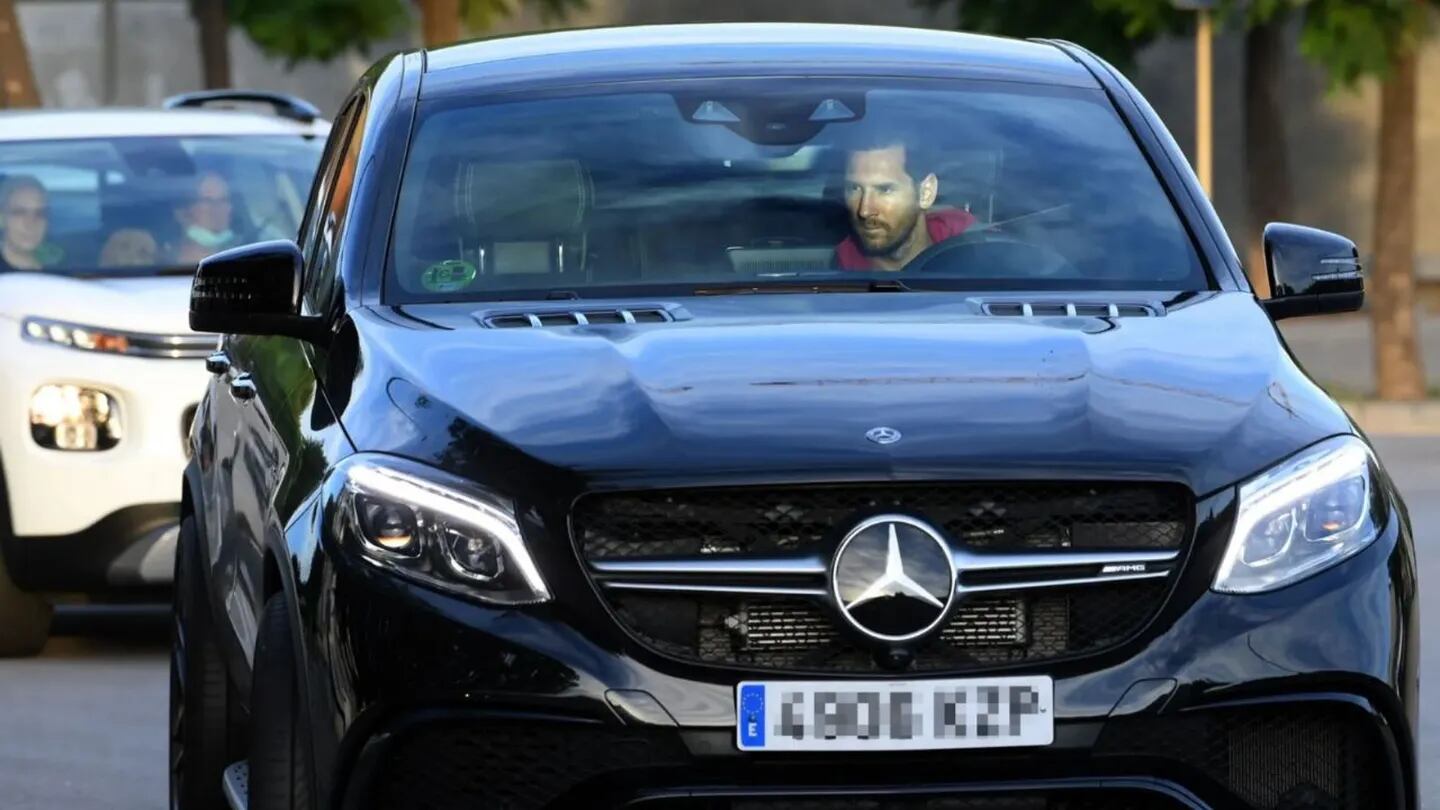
757 182
142 205
329 207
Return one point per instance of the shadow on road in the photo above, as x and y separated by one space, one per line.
85 630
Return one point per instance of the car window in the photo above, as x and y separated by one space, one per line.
134 206
326 218
687 185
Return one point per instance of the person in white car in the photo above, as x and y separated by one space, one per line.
206 220
24 218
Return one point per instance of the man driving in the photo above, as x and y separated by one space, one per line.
889 191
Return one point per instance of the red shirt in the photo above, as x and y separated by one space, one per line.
942 225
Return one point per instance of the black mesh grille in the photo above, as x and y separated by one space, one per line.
987 517
1070 800
802 632
1317 757
775 633
511 767
538 765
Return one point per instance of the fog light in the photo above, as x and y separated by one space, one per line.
72 417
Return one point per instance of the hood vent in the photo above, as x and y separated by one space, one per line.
579 317
1068 309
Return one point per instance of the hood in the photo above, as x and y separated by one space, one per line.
788 386
152 304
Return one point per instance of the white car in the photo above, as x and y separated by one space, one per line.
104 215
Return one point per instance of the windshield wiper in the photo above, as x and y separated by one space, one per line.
878 286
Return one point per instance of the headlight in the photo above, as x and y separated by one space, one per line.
72 417
1303 516
76 337
435 529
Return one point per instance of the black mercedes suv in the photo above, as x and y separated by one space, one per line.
772 417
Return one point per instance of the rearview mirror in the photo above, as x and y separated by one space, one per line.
1312 272
253 290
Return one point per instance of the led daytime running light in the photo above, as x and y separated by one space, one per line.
493 521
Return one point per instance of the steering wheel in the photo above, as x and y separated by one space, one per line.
989 254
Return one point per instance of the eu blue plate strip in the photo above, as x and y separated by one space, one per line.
752 715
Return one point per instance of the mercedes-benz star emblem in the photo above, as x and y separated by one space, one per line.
883 435
893 578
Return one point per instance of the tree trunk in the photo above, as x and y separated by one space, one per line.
1267 171
439 21
17 82
1399 372
214 24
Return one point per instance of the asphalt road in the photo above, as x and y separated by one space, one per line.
83 725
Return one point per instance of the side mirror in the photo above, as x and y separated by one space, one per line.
253 290
1312 272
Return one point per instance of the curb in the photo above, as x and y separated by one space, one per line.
1380 418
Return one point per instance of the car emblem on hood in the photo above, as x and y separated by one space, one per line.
893 578
883 435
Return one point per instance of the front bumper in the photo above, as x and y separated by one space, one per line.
132 548
1304 697
56 495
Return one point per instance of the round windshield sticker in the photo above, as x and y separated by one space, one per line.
450 275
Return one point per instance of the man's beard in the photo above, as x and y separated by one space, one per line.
887 248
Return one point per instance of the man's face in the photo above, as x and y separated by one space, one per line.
211 207
26 219
885 203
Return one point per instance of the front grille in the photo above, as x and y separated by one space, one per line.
774 633
539 765
172 347
796 624
1314 756
991 517
801 630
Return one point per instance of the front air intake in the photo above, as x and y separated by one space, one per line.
1071 309
577 317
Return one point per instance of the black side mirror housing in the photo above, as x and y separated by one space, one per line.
1312 272
253 290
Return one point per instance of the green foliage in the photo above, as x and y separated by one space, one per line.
481 15
1103 26
299 30
1351 39
1357 38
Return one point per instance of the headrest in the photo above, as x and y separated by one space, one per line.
526 200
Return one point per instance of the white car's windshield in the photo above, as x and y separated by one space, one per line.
703 185
136 206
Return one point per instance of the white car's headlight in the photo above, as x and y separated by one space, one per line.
1303 516
427 526
74 336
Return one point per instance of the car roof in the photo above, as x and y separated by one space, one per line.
664 50
46 124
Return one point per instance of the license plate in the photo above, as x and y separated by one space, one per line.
894 715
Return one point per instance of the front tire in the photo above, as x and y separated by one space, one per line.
24 619
198 687
280 769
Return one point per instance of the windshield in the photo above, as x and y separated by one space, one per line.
707 186
139 206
